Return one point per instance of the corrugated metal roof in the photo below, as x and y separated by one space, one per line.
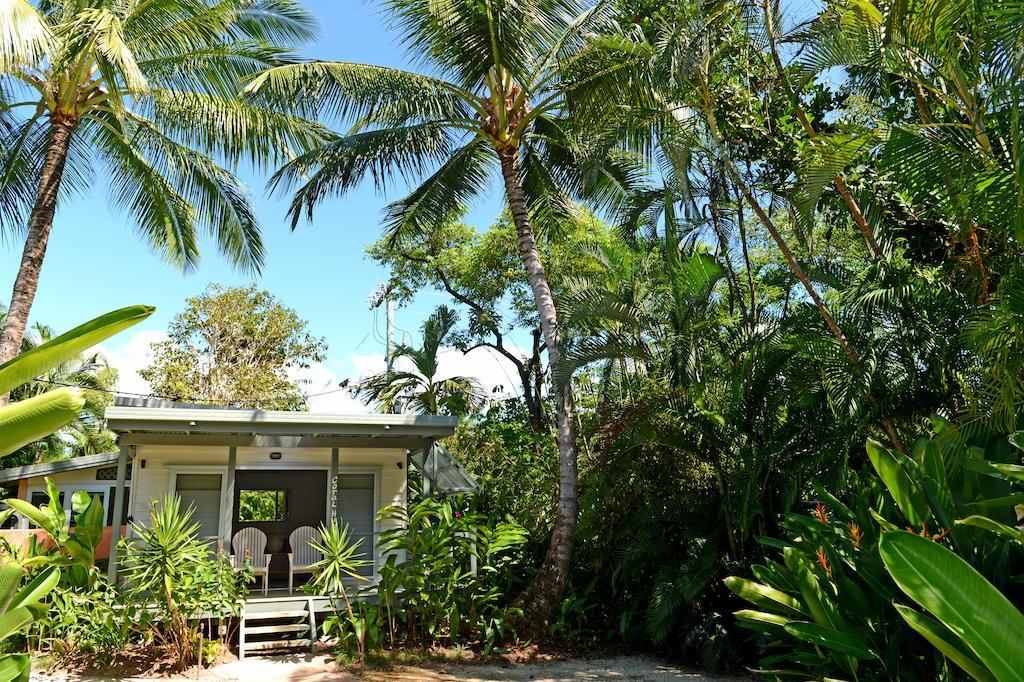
48 468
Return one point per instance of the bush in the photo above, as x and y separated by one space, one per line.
432 554
167 563
837 603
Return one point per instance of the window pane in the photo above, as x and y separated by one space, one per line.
262 505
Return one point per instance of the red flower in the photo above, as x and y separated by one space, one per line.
821 512
823 561
856 535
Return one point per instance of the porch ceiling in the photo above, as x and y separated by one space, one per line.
258 428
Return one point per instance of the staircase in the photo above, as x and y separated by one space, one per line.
277 623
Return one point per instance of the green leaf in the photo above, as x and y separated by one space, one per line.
945 641
10 578
38 588
992 525
762 617
15 667
764 596
14 620
26 421
1017 439
959 597
895 478
839 642
32 363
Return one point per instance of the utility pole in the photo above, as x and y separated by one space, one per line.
383 295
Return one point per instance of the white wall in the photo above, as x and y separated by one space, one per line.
153 464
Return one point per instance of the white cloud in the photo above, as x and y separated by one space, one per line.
130 357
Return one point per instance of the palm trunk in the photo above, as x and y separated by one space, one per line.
541 598
27 281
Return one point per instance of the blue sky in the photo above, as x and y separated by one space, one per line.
96 263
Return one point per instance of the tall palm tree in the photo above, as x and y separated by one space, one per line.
510 77
419 388
145 92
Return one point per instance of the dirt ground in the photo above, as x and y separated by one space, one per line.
306 668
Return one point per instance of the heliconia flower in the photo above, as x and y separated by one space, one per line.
821 512
856 535
823 561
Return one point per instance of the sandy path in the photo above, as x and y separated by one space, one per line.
320 669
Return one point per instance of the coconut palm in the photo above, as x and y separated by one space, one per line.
509 79
144 95
419 388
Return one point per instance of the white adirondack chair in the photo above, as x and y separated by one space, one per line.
303 554
251 542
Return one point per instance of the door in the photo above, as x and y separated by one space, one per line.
201 491
357 508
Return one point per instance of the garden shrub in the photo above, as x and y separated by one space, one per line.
168 564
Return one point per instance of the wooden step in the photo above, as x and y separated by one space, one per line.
276 644
273 615
264 629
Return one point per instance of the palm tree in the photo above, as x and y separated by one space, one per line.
146 94
419 388
511 78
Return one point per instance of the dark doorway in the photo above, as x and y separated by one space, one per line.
277 502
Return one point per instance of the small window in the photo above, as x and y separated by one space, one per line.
262 505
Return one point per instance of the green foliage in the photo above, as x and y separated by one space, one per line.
429 589
166 563
19 608
37 417
74 546
832 606
235 346
415 384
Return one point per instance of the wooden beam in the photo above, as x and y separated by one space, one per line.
332 481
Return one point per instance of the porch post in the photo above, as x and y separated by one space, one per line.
332 483
227 503
115 526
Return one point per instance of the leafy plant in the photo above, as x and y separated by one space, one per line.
340 565
831 608
74 546
429 572
165 562
19 608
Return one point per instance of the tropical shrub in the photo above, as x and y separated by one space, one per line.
166 563
447 573
73 547
19 608
832 606
333 576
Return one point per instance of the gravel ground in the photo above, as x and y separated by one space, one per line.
320 669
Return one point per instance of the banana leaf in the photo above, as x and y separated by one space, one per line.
960 598
32 363
26 421
896 479
15 667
